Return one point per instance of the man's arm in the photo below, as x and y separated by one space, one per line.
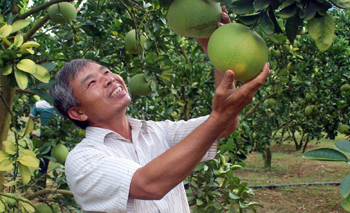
218 75
162 174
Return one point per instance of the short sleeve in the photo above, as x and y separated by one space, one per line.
99 182
34 111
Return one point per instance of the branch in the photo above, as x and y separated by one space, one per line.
24 91
48 191
40 8
38 25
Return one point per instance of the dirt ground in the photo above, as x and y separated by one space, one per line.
288 167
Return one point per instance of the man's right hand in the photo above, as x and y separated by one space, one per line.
229 101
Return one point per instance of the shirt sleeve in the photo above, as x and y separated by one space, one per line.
34 111
179 130
99 182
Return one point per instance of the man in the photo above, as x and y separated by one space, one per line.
45 111
129 165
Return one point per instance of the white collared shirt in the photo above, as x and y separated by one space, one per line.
100 168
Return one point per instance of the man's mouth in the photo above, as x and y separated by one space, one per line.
116 91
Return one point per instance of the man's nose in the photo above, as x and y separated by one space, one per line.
108 80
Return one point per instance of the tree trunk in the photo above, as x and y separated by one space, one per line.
6 102
267 156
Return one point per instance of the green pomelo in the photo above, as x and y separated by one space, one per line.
235 47
194 18
343 128
311 97
309 110
345 88
43 208
270 102
62 13
60 152
139 86
131 43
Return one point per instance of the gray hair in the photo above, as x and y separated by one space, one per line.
62 93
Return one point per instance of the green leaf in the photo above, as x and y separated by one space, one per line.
345 186
165 3
3 155
6 164
289 11
10 147
249 19
18 41
27 152
49 66
325 154
261 4
151 56
29 127
343 146
199 202
341 3
11 183
292 28
7 70
322 30
5 30
19 24
21 79
26 206
310 11
44 95
27 65
29 161
242 6
30 44
266 23
2 19
42 74
2 207
345 203
25 173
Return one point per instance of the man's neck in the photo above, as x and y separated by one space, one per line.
119 125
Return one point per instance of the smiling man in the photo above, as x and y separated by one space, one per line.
130 165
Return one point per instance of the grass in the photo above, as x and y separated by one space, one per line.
288 167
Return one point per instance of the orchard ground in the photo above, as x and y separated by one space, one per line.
288 167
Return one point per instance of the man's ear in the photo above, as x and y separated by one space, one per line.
75 114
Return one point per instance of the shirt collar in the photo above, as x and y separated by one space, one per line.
99 134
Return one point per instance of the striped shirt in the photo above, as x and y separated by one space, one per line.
100 168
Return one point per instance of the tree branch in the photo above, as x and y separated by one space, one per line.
48 191
40 8
38 25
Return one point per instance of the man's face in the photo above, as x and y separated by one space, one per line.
102 94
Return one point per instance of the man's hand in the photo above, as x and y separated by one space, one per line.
225 19
229 101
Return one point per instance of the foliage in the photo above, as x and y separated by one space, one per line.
338 154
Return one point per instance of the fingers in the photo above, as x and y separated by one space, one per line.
224 17
259 80
226 84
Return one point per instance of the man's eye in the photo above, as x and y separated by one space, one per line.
91 82
107 72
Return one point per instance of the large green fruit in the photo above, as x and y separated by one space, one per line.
131 43
43 208
343 128
235 47
62 13
60 152
310 110
194 18
270 102
345 88
139 86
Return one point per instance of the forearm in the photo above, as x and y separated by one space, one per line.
167 170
